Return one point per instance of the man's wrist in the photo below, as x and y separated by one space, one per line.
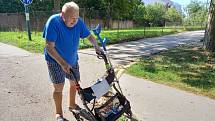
62 63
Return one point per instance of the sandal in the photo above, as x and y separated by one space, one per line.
60 118
75 110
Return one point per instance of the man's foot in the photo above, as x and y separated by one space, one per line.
80 114
60 118
75 109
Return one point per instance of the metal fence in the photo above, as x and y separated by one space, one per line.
16 21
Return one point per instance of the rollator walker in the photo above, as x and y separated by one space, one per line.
103 101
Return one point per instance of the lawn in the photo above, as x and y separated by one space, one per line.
189 68
20 39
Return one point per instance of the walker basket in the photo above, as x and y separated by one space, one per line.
113 108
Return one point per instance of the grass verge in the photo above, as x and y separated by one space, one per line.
186 67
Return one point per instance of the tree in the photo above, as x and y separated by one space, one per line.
92 8
11 6
135 7
210 36
155 14
194 7
172 15
41 5
14 6
196 12
116 9
138 14
122 8
57 5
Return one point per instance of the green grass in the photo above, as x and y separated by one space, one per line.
20 39
134 34
187 68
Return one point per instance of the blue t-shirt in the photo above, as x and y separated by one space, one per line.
66 38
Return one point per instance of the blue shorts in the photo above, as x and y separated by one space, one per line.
57 75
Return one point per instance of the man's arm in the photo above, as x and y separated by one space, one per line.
92 39
50 46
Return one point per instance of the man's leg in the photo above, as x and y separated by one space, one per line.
57 96
72 94
57 77
72 89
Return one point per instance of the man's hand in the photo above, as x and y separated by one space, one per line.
66 68
98 50
92 39
54 54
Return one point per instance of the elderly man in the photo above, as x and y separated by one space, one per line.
62 33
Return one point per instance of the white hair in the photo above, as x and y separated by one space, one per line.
70 5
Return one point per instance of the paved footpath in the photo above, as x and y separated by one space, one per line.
26 92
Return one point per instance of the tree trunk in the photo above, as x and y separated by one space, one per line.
210 30
109 13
